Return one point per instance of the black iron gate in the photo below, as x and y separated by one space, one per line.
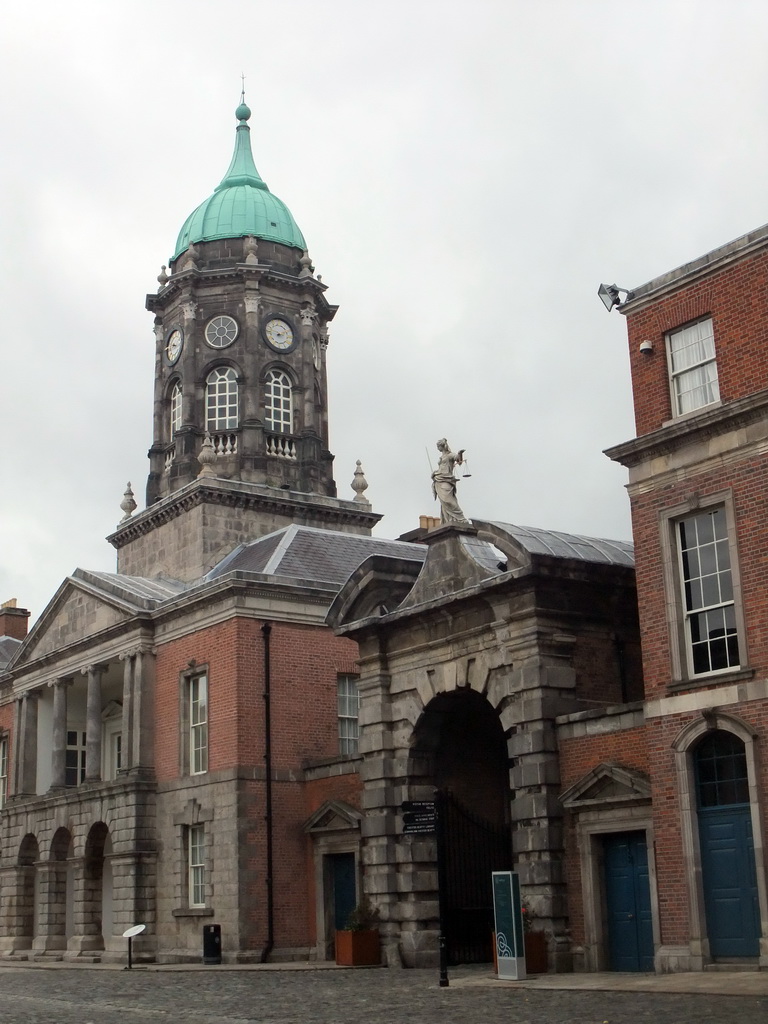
473 849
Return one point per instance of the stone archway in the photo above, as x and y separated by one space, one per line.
458 745
459 748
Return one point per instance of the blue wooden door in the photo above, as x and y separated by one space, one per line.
727 851
344 887
628 902
730 883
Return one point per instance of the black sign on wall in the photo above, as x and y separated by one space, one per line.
419 817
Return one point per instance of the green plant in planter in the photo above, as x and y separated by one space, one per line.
364 917
358 945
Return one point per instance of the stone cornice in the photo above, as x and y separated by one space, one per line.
686 275
236 494
709 423
158 301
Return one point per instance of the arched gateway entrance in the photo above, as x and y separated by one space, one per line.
459 748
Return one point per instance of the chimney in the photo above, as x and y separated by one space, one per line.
429 522
13 621
426 523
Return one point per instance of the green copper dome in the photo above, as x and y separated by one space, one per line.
242 204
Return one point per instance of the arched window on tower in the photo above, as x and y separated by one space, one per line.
221 403
175 409
278 403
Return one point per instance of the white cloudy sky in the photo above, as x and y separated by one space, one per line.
465 173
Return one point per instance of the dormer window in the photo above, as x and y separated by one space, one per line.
692 367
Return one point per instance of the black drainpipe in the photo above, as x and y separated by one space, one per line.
266 630
622 667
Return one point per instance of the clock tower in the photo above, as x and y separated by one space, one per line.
240 427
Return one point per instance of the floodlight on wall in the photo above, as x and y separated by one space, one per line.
609 295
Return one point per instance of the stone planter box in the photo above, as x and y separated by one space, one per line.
358 949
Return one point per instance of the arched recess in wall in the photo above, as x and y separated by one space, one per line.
61 890
98 885
27 913
722 833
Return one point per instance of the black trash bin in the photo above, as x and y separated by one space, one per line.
212 944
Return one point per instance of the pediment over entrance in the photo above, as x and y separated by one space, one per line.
607 785
333 816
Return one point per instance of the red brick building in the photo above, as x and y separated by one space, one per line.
186 742
667 826
178 739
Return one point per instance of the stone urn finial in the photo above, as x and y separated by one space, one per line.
163 277
207 456
306 265
128 504
251 250
360 484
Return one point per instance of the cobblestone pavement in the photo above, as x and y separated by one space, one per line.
80 996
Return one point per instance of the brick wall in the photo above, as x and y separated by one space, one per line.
737 300
13 622
628 748
748 480
305 661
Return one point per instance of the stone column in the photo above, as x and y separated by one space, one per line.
59 744
379 799
51 909
142 738
129 664
27 760
17 780
539 689
86 910
17 886
93 723
134 888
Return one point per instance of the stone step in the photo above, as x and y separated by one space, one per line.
730 967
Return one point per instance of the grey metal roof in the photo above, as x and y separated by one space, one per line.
570 545
308 553
8 647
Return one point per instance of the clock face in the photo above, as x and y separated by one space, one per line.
174 344
279 334
221 331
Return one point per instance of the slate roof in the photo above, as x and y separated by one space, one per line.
8 647
136 590
308 553
570 545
